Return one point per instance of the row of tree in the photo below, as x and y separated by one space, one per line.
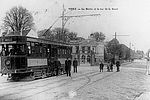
115 50
66 35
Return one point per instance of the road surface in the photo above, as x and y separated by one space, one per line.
88 84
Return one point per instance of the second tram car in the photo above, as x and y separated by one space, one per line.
23 56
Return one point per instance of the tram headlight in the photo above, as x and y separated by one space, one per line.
7 62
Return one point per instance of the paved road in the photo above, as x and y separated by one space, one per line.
87 84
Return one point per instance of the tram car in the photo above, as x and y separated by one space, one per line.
23 56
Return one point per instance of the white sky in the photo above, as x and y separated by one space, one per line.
132 18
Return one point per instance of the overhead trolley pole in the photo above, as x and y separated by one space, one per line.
65 18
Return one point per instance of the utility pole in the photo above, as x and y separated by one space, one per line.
116 44
66 18
131 51
63 24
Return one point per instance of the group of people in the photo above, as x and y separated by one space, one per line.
68 64
110 66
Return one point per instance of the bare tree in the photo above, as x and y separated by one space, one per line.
18 20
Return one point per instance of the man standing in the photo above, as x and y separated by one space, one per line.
68 67
101 67
75 64
57 65
118 65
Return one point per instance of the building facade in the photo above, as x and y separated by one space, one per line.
88 51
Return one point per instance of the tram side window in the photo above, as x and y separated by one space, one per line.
59 54
48 50
44 50
37 49
32 49
65 52
53 52
28 48
41 50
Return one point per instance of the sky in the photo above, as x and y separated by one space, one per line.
129 18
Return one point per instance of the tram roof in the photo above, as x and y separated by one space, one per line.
39 40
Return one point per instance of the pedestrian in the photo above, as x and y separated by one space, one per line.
57 65
118 65
108 67
75 64
101 67
68 67
111 66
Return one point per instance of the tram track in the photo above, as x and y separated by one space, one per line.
89 82
50 83
65 82
9 85
71 81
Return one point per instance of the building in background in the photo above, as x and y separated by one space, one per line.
88 51
139 54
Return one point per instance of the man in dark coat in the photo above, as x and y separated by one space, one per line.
75 64
101 67
118 65
57 65
68 67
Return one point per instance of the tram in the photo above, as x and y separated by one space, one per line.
23 56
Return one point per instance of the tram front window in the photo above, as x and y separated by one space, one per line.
12 49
